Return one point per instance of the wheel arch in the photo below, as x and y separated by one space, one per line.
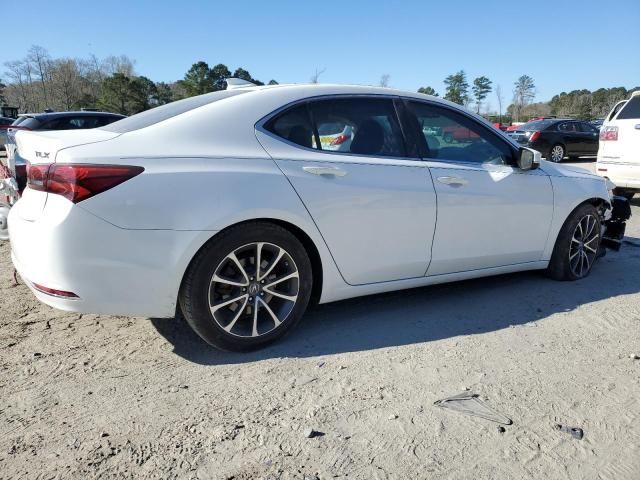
299 233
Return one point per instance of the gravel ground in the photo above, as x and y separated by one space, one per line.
86 396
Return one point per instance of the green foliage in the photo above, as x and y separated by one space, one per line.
163 94
586 104
481 88
428 91
126 95
457 88
272 82
219 74
199 79
524 92
115 93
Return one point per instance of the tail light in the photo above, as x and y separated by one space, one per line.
609 134
340 139
534 136
77 182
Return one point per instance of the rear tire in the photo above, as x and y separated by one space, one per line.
247 287
557 153
577 245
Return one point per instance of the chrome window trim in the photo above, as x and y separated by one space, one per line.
260 124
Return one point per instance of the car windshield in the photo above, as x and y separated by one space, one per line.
159 114
536 125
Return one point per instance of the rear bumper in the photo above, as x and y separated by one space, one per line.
112 271
624 174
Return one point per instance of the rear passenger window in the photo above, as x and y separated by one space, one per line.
360 126
567 127
631 110
294 125
587 128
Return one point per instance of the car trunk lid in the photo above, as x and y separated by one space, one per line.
38 148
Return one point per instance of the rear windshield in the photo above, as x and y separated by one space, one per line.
631 110
159 114
28 122
536 125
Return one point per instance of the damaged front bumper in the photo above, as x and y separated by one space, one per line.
615 225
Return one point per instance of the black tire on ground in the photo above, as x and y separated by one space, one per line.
558 159
628 194
560 265
196 292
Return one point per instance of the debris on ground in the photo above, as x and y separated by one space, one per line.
469 404
311 433
575 432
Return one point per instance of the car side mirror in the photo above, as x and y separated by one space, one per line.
528 159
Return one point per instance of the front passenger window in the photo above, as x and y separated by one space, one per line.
449 135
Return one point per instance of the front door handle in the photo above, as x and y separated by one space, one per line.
638 126
453 181
334 171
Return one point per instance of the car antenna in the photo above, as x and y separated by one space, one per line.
233 83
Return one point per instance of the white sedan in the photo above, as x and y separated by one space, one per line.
227 208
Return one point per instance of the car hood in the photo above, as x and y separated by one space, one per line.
556 170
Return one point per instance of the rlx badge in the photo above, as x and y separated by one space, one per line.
42 154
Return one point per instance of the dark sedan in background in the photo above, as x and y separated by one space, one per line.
50 121
559 138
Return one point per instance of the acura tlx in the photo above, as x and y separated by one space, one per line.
229 207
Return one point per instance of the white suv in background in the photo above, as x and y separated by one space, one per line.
619 150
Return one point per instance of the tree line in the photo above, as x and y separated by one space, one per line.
39 81
583 104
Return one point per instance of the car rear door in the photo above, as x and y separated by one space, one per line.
490 213
373 203
571 137
589 135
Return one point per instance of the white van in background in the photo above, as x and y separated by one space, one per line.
619 149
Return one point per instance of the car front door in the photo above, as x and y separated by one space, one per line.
490 213
373 203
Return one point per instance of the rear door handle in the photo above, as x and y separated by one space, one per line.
453 181
334 171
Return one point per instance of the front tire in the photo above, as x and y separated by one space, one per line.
577 245
247 287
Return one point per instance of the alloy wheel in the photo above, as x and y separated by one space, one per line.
557 153
584 246
254 289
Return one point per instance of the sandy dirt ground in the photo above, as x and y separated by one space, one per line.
86 396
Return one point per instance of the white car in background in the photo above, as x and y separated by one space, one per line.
619 149
228 207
